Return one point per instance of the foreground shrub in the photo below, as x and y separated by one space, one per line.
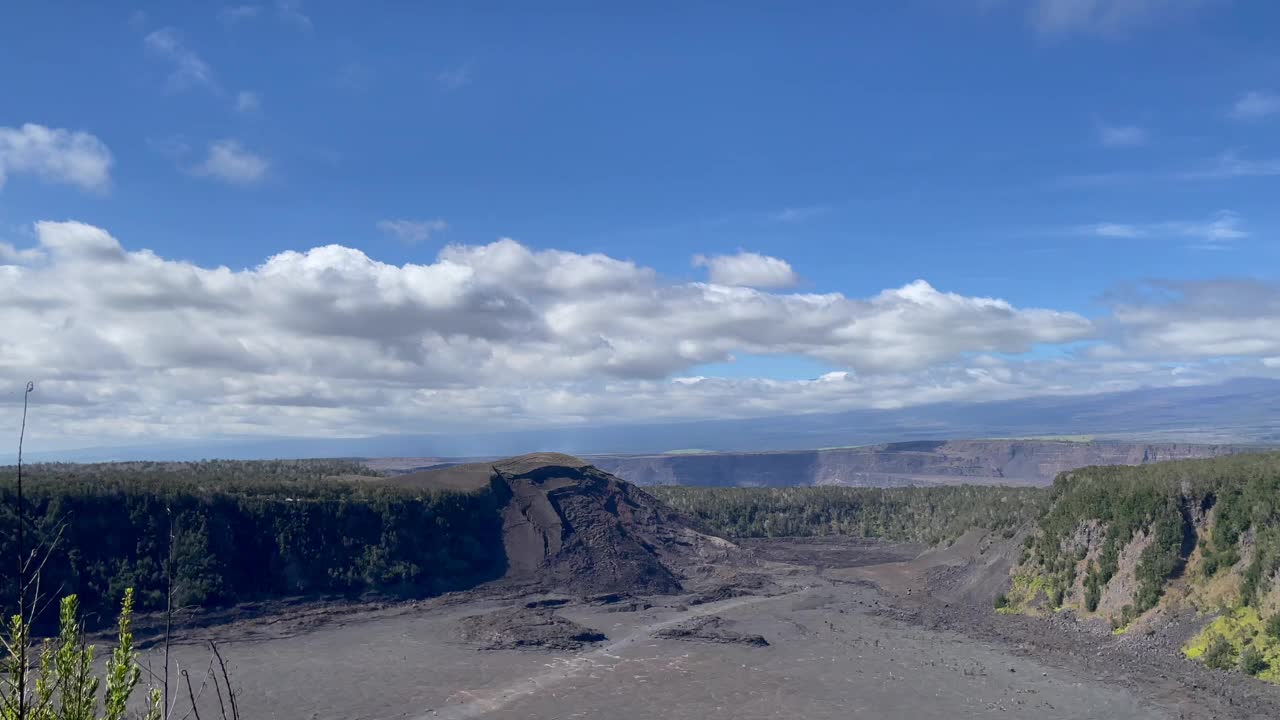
63 686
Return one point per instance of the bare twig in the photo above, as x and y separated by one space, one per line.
191 694
217 687
204 683
231 693
168 612
22 561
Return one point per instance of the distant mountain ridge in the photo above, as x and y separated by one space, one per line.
1242 411
1014 462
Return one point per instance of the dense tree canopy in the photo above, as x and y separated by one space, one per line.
243 530
924 514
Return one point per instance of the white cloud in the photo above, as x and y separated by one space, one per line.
1196 320
454 78
229 161
247 102
290 11
1118 230
9 255
1256 105
327 340
1061 17
748 269
1119 136
233 14
188 68
127 344
55 155
412 231
1222 228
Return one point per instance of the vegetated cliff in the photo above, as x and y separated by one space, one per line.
238 531
1016 462
1135 545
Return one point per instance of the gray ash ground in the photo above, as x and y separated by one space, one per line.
853 629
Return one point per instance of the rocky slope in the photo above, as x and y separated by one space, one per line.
1022 462
570 527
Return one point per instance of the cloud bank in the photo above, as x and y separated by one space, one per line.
127 344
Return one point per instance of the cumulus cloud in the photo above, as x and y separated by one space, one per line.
331 341
10 255
1195 320
748 269
412 232
1256 105
55 155
229 161
188 68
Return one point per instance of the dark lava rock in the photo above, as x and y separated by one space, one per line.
546 603
725 592
523 628
710 629
628 607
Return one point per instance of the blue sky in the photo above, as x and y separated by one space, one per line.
1064 156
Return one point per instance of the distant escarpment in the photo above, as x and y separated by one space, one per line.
1014 462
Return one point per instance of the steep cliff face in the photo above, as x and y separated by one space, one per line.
1021 462
1141 548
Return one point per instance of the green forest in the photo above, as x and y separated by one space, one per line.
239 531
918 514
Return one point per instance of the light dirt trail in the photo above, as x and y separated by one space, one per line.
488 701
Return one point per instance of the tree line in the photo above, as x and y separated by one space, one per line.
236 531
918 514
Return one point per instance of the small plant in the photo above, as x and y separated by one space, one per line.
64 686
1209 566
1092 588
1252 662
1128 614
1220 655
1002 601
1273 626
